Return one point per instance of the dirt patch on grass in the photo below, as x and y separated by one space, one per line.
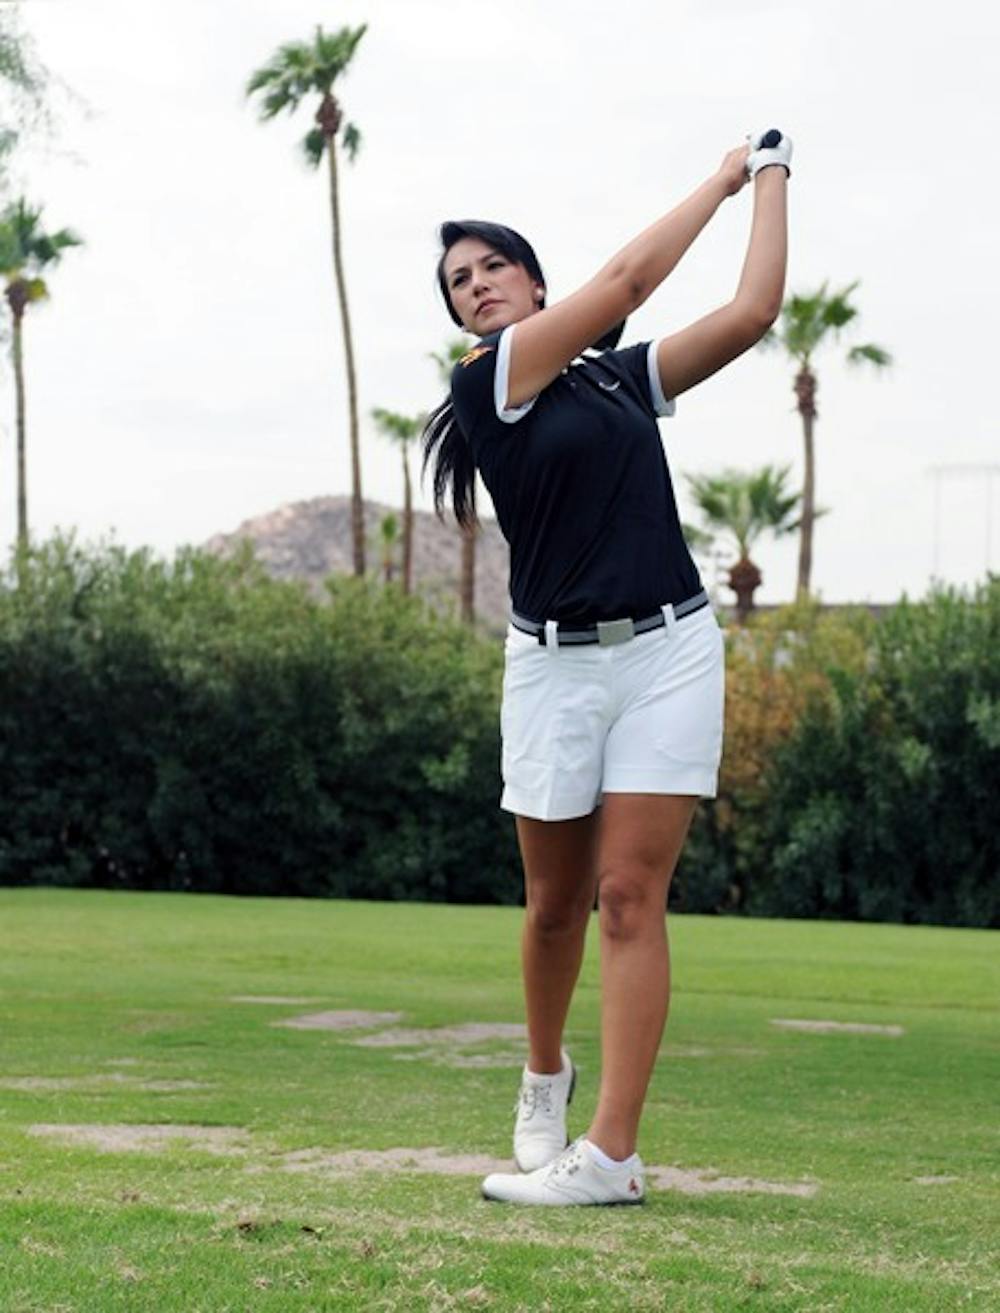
934 1180
447 1057
439 1162
709 1182
448 1046
353 1020
273 1000
509 1058
129 1138
352 1162
464 1036
100 1081
838 1027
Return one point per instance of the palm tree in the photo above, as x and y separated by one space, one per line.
25 251
297 70
404 430
806 323
446 360
746 504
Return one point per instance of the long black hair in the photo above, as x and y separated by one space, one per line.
444 443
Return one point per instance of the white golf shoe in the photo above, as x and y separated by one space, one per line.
540 1126
574 1178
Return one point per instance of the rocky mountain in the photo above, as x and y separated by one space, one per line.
312 539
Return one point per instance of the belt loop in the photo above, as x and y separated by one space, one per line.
552 635
669 620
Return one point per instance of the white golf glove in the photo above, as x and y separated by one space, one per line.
770 147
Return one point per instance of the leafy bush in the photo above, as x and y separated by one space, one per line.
773 667
197 725
885 803
860 770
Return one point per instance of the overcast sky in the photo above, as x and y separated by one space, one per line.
187 373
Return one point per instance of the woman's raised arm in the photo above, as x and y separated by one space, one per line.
695 353
546 342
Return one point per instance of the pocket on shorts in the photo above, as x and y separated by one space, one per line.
673 699
553 723
525 675
516 641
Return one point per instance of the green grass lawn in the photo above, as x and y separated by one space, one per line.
117 1010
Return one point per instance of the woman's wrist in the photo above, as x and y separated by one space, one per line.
773 175
720 186
731 175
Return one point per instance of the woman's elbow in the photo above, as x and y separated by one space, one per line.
756 316
629 289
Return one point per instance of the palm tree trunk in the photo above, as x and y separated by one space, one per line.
744 580
805 391
407 523
467 587
357 504
22 472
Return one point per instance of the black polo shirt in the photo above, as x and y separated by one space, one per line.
580 483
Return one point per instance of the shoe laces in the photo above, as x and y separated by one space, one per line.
569 1161
536 1097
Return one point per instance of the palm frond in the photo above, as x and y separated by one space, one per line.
837 309
746 503
48 248
400 428
869 353
802 322
285 78
352 141
24 245
313 146
12 257
454 349
333 51
699 540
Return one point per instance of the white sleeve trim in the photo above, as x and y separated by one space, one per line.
509 414
662 405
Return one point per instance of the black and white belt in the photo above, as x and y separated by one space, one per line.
608 632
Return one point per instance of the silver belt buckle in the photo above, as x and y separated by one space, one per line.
610 632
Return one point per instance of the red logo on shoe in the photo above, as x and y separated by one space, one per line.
633 1185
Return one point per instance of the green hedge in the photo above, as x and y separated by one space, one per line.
886 800
879 799
196 725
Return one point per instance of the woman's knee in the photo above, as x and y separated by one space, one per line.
551 918
631 901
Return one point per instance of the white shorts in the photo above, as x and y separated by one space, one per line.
644 716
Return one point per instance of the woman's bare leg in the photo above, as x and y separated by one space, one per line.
560 880
640 840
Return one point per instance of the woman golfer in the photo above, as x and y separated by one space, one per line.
613 683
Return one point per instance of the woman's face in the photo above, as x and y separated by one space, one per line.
487 290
